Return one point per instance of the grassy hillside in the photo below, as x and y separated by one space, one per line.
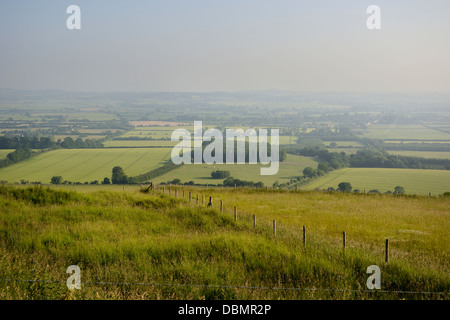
188 251
413 180
85 164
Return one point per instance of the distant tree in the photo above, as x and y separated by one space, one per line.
56 180
324 166
119 176
283 155
106 181
345 187
399 190
175 181
219 174
333 144
309 172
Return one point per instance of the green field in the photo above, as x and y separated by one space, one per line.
139 143
288 140
413 180
201 173
188 251
422 154
80 165
4 153
404 132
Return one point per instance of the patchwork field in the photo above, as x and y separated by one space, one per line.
80 165
414 181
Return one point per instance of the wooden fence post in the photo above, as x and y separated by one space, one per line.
203 199
210 202
190 196
221 205
254 221
387 251
175 193
274 227
344 238
197 198
235 213
304 236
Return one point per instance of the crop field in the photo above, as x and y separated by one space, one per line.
80 165
194 252
405 132
422 154
414 181
139 143
201 173
288 139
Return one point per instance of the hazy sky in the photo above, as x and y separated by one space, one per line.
226 45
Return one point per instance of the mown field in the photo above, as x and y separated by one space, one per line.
414 181
188 251
201 173
85 164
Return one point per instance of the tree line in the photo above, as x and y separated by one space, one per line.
23 142
368 158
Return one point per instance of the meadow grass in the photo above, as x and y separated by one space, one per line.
415 181
130 236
